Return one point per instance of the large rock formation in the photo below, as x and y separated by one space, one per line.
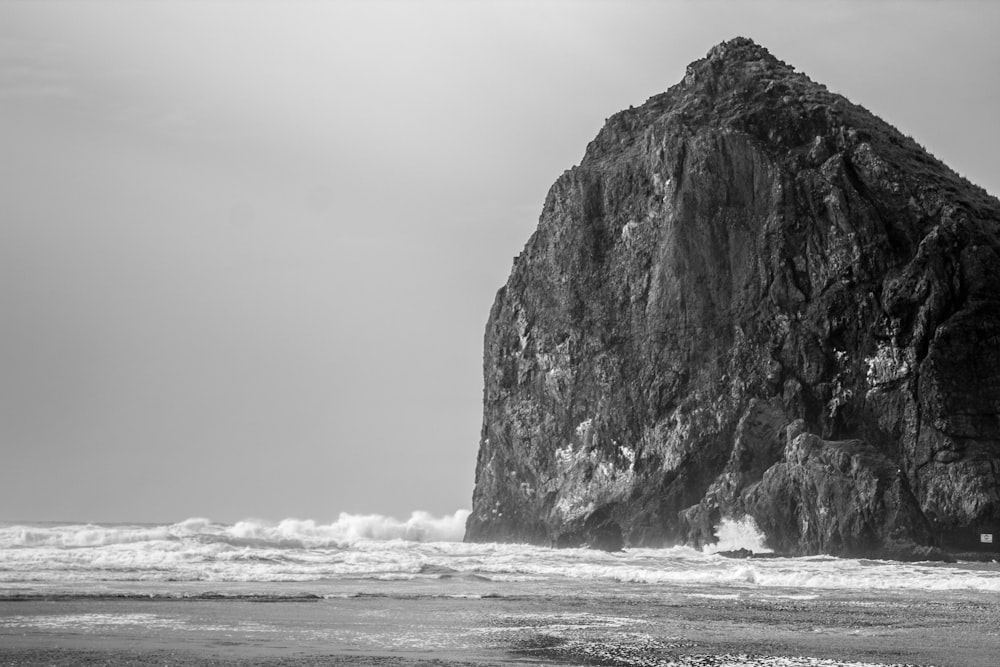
752 297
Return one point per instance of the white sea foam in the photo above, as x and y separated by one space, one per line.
89 535
424 548
733 534
90 622
420 527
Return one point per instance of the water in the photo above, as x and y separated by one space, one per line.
375 586
92 558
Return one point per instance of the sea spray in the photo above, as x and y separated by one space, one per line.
348 528
734 534
303 556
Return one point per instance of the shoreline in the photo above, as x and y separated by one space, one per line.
623 626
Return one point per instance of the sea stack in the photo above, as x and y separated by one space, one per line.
751 298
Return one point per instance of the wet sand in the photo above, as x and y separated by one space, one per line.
607 625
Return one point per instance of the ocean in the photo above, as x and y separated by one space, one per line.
375 590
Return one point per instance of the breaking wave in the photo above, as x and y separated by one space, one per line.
734 534
422 548
289 533
420 527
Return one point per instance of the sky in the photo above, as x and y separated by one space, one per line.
248 250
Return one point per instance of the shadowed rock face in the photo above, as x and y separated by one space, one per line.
752 297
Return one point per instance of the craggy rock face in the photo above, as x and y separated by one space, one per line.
752 297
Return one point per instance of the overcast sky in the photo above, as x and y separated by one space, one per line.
248 250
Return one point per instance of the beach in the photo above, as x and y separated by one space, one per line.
364 591
474 623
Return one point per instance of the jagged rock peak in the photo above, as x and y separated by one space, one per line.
739 51
739 48
738 63
737 82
